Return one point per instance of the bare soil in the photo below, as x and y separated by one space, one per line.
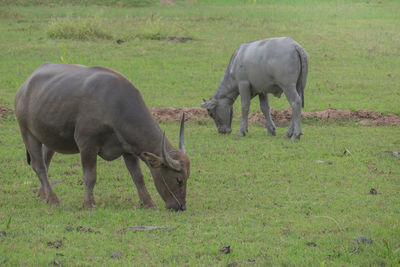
280 117
167 2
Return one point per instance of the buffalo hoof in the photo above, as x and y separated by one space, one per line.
52 199
149 205
295 137
87 205
241 133
42 194
288 135
224 131
272 132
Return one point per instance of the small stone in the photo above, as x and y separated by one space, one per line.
116 255
364 240
311 244
226 249
373 191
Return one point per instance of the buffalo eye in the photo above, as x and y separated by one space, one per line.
179 181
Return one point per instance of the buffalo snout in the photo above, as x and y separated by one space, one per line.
176 206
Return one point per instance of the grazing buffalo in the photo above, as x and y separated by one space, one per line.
96 111
272 65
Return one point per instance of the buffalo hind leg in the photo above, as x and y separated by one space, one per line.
264 105
38 164
245 97
132 163
47 156
294 130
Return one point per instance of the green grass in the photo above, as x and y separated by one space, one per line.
265 196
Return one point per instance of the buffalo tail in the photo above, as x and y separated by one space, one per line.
301 82
28 158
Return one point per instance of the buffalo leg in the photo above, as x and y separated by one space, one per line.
245 97
89 162
264 105
132 163
294 131
47 155
38 164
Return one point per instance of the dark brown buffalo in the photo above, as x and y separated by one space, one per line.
96 111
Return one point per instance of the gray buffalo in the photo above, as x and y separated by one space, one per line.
273 66
96 111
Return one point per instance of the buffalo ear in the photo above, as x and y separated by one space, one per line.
152 159
209 104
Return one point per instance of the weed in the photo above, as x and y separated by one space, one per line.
8 223
77 29
65 57
156 27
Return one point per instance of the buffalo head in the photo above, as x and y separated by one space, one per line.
171 171
221 112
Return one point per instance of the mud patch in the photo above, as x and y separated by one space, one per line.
167 2
171 114
282 117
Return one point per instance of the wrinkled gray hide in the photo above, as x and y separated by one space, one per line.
96 111
273 66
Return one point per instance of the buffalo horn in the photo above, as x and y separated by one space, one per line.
204 100
167 160
182 135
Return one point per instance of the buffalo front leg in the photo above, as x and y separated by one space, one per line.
89 162
264 105
34 148
132 163
294 131
245 97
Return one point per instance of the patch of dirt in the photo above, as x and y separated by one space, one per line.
116 255
167 2
281 117
55 244
86 229
170 114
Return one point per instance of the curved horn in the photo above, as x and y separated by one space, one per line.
182 135
167 160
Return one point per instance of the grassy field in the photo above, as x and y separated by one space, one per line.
266 197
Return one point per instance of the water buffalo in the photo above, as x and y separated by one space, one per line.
273 66
96 111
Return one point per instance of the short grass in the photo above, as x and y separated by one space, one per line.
265 196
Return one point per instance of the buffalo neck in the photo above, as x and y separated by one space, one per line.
226 92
